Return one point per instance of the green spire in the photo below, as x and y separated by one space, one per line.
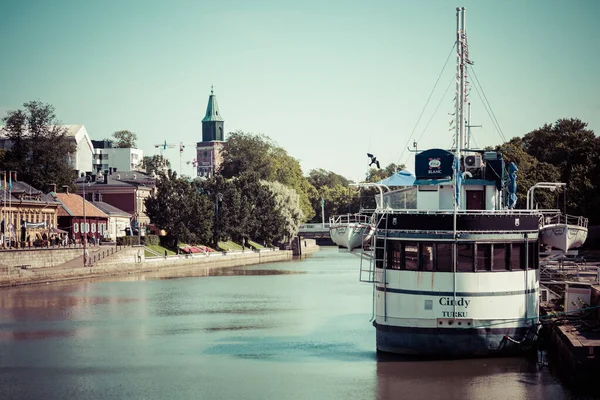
212 109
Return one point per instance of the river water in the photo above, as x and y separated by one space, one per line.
296 330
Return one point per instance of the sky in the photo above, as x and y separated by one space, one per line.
328 81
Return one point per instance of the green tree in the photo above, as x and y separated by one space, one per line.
574 150
531 171
156 163
245 152
41 151
375 175
124 139
181 210
287 212
320 177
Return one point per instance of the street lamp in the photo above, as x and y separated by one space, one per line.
218 199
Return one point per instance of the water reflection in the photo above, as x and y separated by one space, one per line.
295 330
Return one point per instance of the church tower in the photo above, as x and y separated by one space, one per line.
208 151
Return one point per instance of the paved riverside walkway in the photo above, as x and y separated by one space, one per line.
78 261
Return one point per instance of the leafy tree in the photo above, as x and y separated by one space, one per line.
181 209
41 149
320 177
575 151
156 163
124 139
246 152
287 212
375 175
226 200
531 171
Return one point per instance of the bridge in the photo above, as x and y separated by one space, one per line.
314 231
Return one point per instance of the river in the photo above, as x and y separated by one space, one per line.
296 330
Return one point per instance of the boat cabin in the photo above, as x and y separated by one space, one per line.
479 183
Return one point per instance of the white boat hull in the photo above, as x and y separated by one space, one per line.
350 235
563 237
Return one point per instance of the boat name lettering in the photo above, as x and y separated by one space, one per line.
449 301
452 314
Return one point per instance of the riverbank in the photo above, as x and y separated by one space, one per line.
41 267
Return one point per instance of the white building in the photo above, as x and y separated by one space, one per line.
81 160
123 159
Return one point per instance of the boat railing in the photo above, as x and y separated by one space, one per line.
462 212
555 217
349 219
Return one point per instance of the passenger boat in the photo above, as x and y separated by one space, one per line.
562 232
350 230
456 273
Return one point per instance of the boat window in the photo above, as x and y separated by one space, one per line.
443 257
394 254
484 257
411 262
533 259
426 256
515 256
465 257
500 259
379 253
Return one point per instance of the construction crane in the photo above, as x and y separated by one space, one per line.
166 145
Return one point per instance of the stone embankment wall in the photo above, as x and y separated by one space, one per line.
42 258
131 260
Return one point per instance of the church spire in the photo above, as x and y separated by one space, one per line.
212 124
212 109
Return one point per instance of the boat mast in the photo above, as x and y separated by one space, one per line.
461 48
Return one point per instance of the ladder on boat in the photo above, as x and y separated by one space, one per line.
375 256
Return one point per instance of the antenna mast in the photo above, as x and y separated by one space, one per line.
461 50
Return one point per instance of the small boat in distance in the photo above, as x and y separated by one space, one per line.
350 230
561 231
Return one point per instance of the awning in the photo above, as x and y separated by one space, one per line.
400 178
57 231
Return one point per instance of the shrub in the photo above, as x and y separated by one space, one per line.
150 240
127 240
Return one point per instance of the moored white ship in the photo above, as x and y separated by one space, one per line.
456 272
350 230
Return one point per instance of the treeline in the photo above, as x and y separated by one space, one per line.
566 151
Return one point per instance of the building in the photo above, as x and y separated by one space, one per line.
123 159
125 190
81 160
118 220
208 151
79 217
26 212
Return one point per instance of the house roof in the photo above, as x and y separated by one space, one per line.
72 206
111 210
23 192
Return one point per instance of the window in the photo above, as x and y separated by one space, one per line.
75 227
484 257
411 257
443 257
515 256
465 257
426 256
500 257
533 256
394 255
93 228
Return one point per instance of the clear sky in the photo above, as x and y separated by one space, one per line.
327 80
